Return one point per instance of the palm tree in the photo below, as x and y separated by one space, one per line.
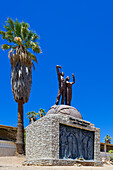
41 113
31 116
107 139
21 41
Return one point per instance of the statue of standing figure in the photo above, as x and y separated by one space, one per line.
65 88
68 91
61 91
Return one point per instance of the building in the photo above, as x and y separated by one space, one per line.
106 147
7 140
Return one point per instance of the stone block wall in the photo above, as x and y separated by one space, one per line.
97 145
42 139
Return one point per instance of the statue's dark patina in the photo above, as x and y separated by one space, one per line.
65 88
61 91
68 90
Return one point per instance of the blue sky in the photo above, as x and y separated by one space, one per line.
78 35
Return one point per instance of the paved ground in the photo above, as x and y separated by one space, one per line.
15 163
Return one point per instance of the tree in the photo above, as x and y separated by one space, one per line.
41 113
111 152
21 41
33 115
107 139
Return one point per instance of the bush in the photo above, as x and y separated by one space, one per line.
111 152
111 158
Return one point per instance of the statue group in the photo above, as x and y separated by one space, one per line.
65 88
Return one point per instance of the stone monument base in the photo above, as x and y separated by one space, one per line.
62 138
61 162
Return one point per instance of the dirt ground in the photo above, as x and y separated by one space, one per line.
15 163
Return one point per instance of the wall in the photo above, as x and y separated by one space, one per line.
42 139
7 148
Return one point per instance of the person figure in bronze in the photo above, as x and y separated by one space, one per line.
68 90
61 91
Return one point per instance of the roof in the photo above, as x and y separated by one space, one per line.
106 144
8 127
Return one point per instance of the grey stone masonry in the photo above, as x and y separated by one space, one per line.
42 140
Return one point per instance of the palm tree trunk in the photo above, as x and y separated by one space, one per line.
20 148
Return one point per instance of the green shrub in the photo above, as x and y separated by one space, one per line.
111 152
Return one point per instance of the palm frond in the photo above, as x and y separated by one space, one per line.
29 42
35 47
6 46
31 114
11 23
32 56
10 35
35 37
2 33
28 37
7 27
33 66
7 35
24 33
27 45
41 113
17 29
18 34
26 25
30 34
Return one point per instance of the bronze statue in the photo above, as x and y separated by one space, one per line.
65 88
68 90
61 91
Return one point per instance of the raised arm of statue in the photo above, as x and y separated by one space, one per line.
73 79
58 73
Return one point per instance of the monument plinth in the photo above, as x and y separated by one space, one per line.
62 137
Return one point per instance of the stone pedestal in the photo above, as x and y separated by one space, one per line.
62 138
